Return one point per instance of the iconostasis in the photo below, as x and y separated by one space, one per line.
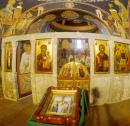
32 63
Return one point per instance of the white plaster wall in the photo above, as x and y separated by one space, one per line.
112 87
9 78
40 82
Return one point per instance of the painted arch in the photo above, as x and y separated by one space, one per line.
110 21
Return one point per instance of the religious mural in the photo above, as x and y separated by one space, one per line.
0 50
10 14
44 56
101 56
24 67
17 15
129 15
8 56
73 60
121 58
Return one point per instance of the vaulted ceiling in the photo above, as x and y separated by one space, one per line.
32 16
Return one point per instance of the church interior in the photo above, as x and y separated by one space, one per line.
64 62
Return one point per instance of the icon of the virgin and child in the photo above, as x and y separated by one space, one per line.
61 104
44 59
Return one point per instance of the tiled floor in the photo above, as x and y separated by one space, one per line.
17 113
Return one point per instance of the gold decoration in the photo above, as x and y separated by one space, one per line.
101 56
77 21
72 28
58 105
70 15
74 74
87 17
121 57
73 71
69 5
44 56
50 17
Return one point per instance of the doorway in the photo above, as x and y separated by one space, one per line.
73 63
23 62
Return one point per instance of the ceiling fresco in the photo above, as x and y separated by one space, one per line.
17 15
65 21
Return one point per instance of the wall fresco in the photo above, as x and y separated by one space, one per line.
21 13
24 67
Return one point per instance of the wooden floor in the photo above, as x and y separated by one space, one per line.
117 114
17 113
